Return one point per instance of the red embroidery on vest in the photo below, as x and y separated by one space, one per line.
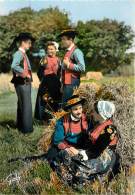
97 131
114 141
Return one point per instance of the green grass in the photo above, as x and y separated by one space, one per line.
12 142
130 81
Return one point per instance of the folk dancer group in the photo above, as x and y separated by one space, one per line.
55 76
73 132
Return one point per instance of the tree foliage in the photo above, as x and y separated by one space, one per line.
43 23
103 42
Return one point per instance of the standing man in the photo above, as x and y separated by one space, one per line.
22 78
73 64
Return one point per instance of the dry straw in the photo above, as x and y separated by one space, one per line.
123 98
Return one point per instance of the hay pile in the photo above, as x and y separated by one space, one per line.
45 140
123 98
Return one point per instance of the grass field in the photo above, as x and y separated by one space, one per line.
14 144
128 80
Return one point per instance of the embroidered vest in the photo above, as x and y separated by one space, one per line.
98 131
26 71
67 75
52 66
67 124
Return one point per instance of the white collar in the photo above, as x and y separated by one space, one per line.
71 46
21 49
74 119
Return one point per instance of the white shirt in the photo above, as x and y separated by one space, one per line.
71 46
21 49
74 119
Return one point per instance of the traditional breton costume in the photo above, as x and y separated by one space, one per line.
103 140
97 145
71 75
49 95
68 131
22 78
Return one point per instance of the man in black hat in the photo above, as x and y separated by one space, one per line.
22 78
73 64
69 130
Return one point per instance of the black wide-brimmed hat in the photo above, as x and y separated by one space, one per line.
72 101
24 36
68 32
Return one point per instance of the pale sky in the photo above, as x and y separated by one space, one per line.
121 10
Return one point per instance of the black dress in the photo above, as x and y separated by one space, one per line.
50 86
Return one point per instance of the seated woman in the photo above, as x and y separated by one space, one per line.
103 138
49 89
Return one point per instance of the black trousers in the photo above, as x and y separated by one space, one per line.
24 108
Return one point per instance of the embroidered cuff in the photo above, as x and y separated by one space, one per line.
114 141
63 145
91 138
